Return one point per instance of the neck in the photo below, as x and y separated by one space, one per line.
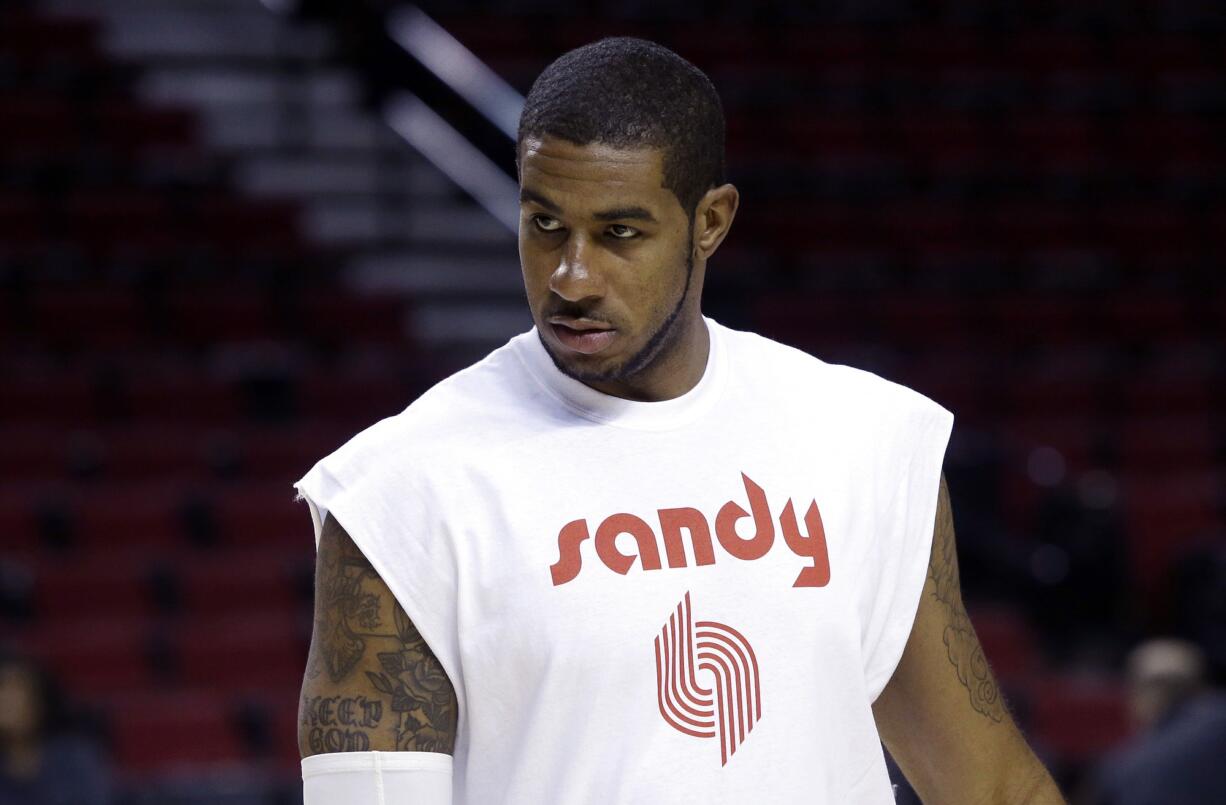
676 370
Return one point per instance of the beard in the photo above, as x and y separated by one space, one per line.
663 339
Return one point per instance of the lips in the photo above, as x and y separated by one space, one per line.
581 336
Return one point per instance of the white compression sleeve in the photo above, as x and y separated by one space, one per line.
377 778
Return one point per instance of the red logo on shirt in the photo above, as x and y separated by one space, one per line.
735 705
807 546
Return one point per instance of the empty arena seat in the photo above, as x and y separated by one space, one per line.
138 127
362 319
218 316
1166 512
1162 394
287 453
283 726
128 515
166 452
182 396
96 318
1168 442
174 729
937 319
34 39
97 657
263 515
48 396
114 584
1063 384
374 396
233 582
31 452
1078 717
239 652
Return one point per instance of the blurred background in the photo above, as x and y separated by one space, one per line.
233 233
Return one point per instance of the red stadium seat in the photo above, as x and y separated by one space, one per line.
244 652
48 397
1166 513
1040 51
182 397
234 582
283 717
167 452
96 657
1158 394
92 585
172 729
34 39
31 452
139 127
1079 717
96 318
259 516
285 454
1173 443
119 516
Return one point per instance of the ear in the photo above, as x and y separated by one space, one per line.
713 218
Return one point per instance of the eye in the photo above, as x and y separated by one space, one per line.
546 224
622 232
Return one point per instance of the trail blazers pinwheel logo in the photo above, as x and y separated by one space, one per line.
729 711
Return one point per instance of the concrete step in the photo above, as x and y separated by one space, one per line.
257 126
220 32
221 86
376 221
317 176
425 274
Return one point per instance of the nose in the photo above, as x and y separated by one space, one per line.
574 278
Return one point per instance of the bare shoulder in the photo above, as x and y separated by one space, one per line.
371 681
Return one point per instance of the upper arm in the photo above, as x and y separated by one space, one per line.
371 681
941 715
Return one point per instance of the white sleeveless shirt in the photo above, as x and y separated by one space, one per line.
688 601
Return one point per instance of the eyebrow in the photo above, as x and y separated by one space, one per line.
633 213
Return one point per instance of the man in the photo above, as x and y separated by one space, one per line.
634 556
1175 758
41 762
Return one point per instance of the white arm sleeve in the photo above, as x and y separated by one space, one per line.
377 778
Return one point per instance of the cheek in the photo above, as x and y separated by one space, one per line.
535 270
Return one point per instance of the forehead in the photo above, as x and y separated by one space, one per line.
587 178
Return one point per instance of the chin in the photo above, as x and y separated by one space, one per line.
589 371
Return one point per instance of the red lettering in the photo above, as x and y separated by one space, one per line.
606 546
725 524
671 523
812 546
569 561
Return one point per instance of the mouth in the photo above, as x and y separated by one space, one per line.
582 335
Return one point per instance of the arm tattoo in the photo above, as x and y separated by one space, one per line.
352 623
961 645
421 693
340 601
340 723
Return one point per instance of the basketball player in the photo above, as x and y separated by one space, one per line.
633 555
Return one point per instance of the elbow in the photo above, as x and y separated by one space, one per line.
1034 787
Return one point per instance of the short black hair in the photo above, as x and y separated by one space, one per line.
627 92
